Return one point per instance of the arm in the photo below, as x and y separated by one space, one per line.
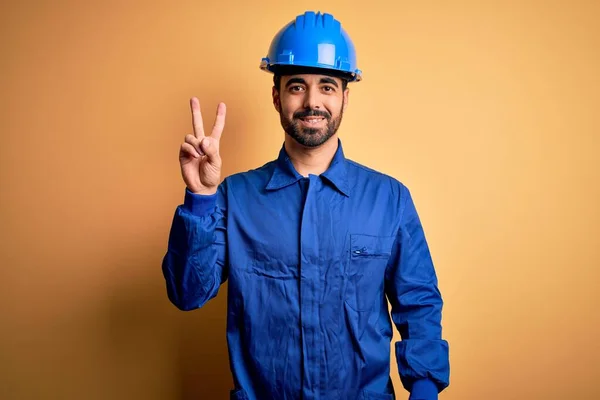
411 287
195 264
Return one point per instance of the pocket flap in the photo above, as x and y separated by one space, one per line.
371 246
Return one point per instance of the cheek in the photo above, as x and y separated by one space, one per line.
287 108
334 108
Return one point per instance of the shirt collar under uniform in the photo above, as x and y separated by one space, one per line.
284 173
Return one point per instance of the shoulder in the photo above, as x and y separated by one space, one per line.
362 174
254 177
368 180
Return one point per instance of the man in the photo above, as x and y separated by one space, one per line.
313 245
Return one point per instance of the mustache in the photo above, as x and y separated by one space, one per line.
311 113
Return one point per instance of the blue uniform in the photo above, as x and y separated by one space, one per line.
311 263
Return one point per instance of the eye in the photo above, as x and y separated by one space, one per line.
296 88
328 89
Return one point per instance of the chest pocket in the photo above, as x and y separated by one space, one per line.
365 270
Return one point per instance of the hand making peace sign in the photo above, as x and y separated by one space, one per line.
199 154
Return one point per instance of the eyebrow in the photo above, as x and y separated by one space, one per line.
303 82
329 80
295 80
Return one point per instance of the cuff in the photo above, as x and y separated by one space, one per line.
199 204
423 389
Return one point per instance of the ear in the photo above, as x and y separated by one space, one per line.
276 99
346 98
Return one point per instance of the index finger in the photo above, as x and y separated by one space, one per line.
197 118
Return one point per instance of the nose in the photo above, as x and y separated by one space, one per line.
311 100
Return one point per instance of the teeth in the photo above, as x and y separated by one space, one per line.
313 120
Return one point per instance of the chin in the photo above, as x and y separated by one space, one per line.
311 139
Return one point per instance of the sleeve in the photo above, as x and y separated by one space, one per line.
195 264
411 287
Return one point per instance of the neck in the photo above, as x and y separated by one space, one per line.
311 160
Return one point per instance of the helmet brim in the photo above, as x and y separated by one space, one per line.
300 70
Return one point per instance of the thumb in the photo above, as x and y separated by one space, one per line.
208 148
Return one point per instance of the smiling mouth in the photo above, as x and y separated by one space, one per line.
312 120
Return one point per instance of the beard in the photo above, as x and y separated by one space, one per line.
311 137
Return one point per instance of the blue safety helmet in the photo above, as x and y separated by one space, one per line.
313 42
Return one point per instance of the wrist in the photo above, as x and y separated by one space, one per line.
199 204
204 191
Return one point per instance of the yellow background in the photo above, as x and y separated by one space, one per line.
486 110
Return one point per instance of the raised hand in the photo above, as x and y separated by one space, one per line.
199 154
